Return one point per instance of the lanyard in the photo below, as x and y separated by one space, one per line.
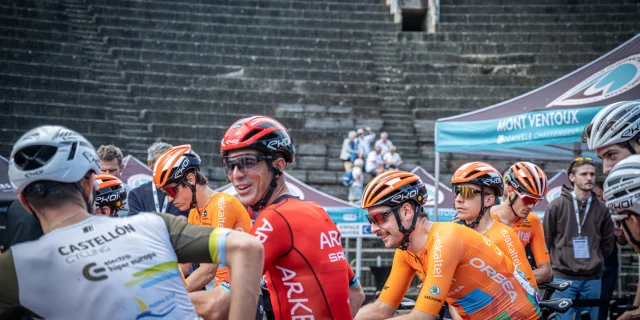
155 200
586 211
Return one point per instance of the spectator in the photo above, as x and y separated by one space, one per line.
597 189
577 246
111 163
355 190
148 198
374 165
21 226
348 150
364 142
384 143
392 159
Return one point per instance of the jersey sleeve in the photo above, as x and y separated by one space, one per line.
237 216
274 233
8 282
193 243
538 244
399 280
442 262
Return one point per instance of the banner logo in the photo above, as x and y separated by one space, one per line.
607 83
431 195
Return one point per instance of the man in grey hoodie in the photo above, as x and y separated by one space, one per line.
579 233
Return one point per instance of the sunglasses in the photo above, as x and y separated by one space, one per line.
576 160
465 192
527 199
172 191
244 163
379 218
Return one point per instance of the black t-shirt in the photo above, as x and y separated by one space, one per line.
21 226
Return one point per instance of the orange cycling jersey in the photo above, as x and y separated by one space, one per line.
222 211
507 240
308 276
530 231
469 271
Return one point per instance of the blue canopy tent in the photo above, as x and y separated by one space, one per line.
545 123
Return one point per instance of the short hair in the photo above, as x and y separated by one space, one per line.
51 194
384 133
110 152
577 164
200 178
352 134
157 149
393 148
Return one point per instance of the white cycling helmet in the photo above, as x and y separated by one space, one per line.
52 153
622 186
616 123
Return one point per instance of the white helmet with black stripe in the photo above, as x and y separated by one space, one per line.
616 123
51 153
622 186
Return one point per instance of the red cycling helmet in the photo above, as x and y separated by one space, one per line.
260 133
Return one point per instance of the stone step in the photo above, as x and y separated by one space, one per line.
519 28
141 46
539 18
322 31
463 79
240 60
116 7
244 83
505 48
529 37
230 71
439 91
513 58
329 6
496 69
248 39
558 8
140 90
318 21
457 104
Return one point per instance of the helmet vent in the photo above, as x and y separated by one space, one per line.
72 153
251 134
34 157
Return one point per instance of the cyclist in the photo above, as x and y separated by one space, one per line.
476 186
526 185
103 268
621 193
614 133
177 174
456 264
307 273
111 196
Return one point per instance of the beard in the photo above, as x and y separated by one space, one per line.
585 186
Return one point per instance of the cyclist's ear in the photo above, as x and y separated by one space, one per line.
279 164
191 178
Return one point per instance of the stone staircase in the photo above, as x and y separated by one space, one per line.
486 52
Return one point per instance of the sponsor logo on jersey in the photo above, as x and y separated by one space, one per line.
437 256
434 290
497 277
92 272
298 308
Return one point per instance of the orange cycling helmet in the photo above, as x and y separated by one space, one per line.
527 177
110 193
394 188
263 134
173 166
483 175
